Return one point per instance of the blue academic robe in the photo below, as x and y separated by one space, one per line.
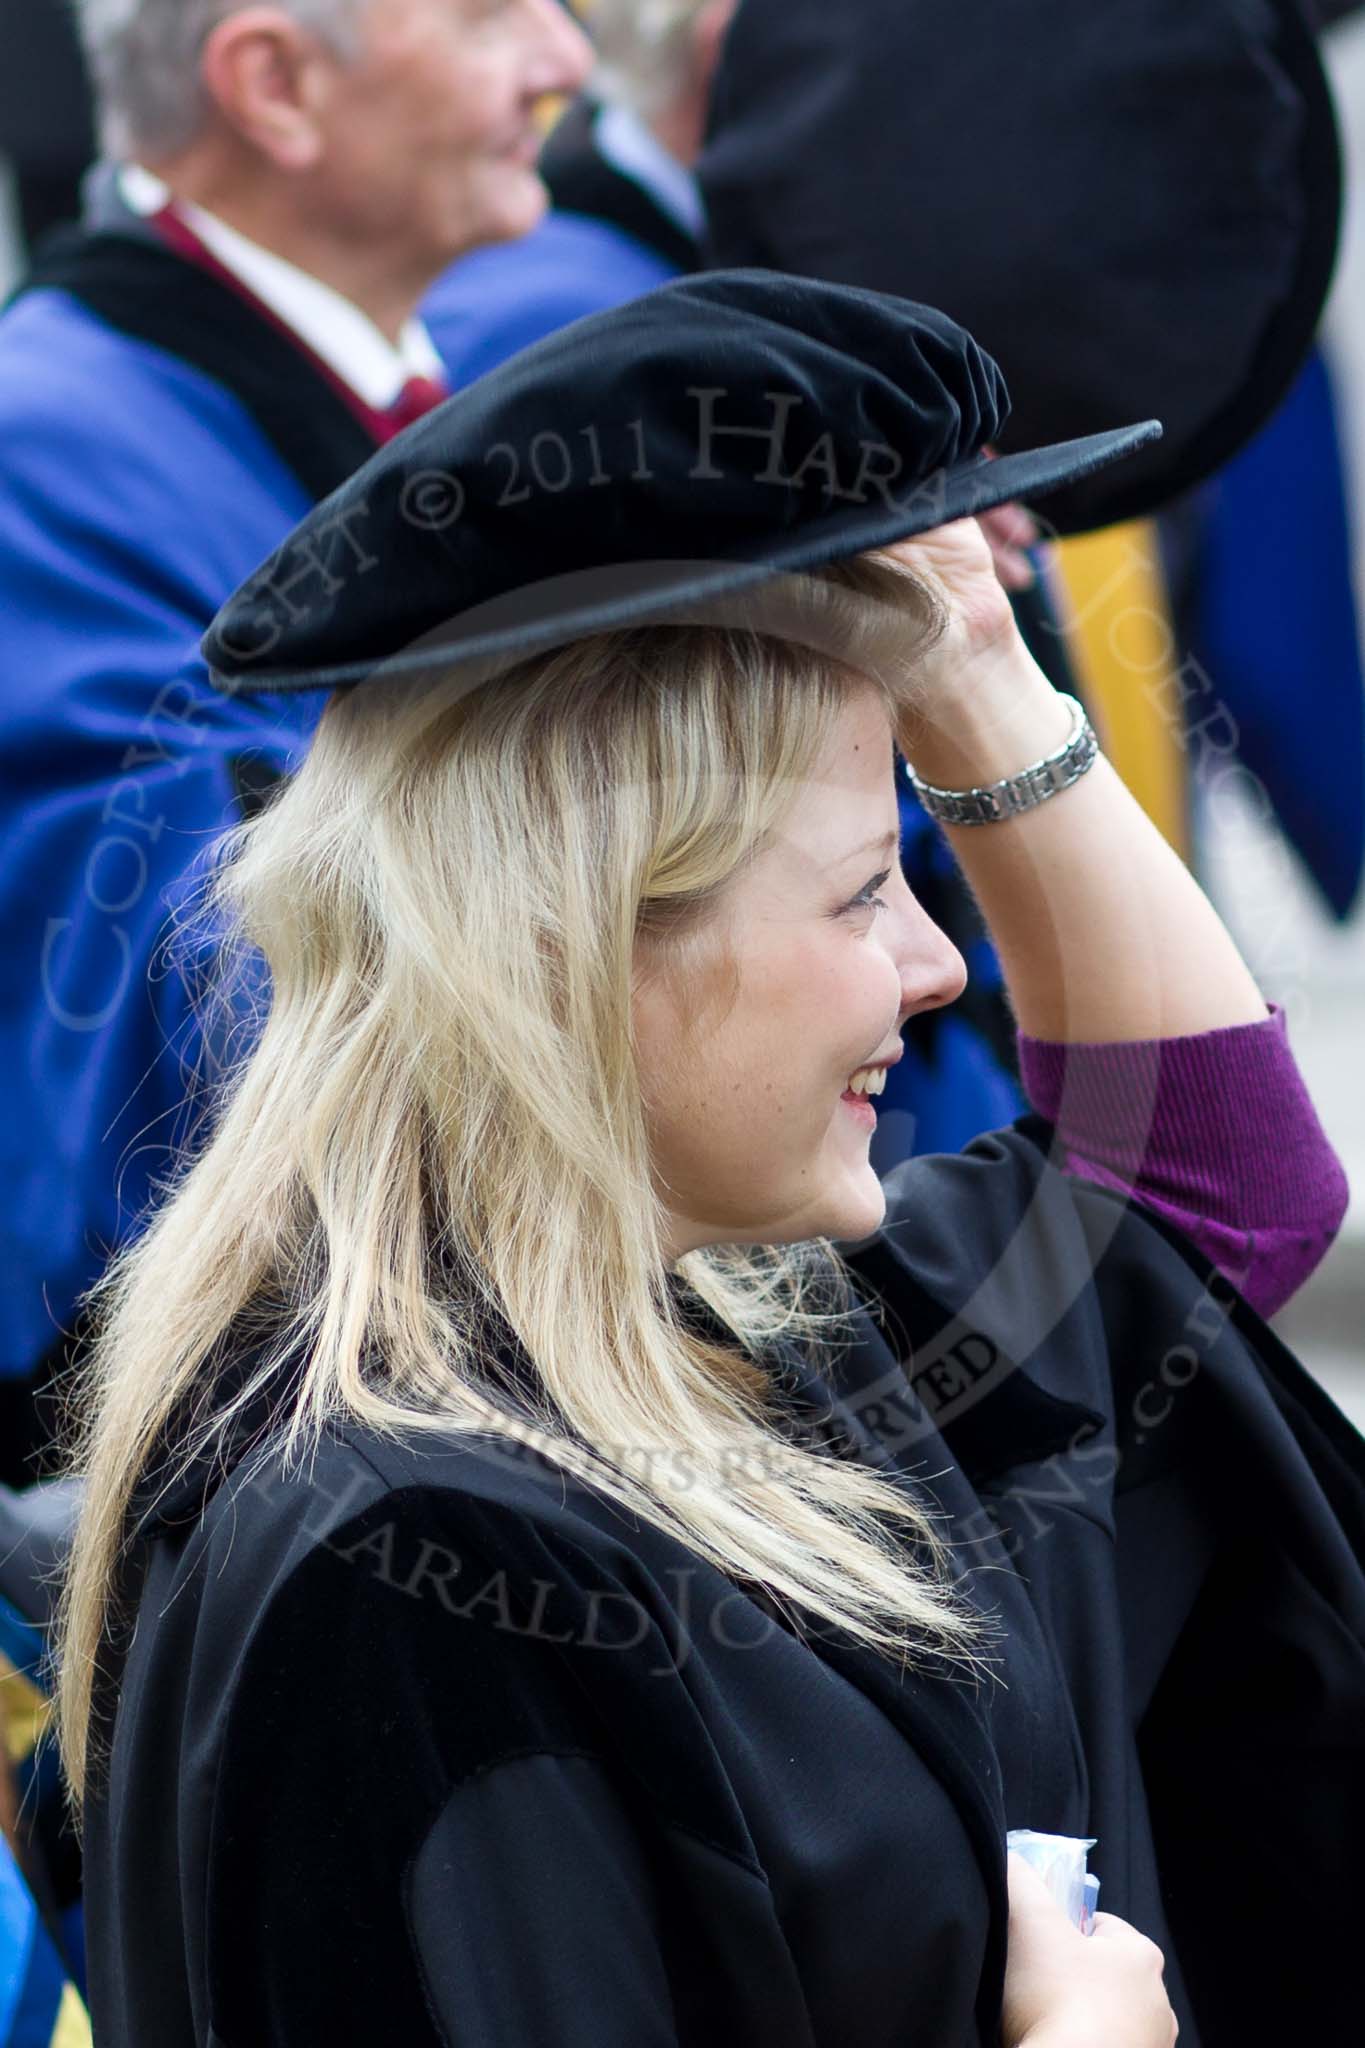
135 493
499 300
1272 625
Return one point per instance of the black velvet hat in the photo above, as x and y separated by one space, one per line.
698 441
1134 204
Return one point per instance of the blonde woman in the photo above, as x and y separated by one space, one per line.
569 1556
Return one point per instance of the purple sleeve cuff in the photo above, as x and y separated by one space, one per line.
1215 1131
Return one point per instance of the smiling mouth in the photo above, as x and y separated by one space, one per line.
866 1081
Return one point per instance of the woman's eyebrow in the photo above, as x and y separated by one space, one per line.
885 844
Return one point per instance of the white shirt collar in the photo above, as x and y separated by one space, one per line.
632 146
334 328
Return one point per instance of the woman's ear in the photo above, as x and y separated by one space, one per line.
269 79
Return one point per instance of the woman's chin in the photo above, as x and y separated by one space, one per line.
859 1210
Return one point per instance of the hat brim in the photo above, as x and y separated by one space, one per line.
559 609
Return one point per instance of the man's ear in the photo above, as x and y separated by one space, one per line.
269 79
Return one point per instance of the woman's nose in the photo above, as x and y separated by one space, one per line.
933 971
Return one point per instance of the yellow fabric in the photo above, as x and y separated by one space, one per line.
72 2029
23 1712
1110 593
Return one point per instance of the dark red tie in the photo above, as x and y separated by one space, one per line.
417 397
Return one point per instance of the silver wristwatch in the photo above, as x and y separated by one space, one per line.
1005 799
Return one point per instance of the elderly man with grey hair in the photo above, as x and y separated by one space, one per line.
628 213
229 335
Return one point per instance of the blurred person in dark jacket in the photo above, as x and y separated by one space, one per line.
45 115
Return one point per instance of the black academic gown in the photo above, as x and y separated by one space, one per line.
437 1746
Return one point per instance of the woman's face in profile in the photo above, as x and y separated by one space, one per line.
751 1141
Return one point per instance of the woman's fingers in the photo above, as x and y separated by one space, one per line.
1014 524
1010 529
1061 1987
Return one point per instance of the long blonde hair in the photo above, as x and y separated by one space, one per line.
441 1112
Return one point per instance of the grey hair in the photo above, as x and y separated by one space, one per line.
644 50
144 59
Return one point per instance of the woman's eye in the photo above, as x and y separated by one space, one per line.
865 899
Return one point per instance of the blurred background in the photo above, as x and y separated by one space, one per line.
1311 963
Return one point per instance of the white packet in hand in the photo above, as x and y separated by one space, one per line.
1060 1861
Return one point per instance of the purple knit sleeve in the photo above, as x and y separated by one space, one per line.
1215 1131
